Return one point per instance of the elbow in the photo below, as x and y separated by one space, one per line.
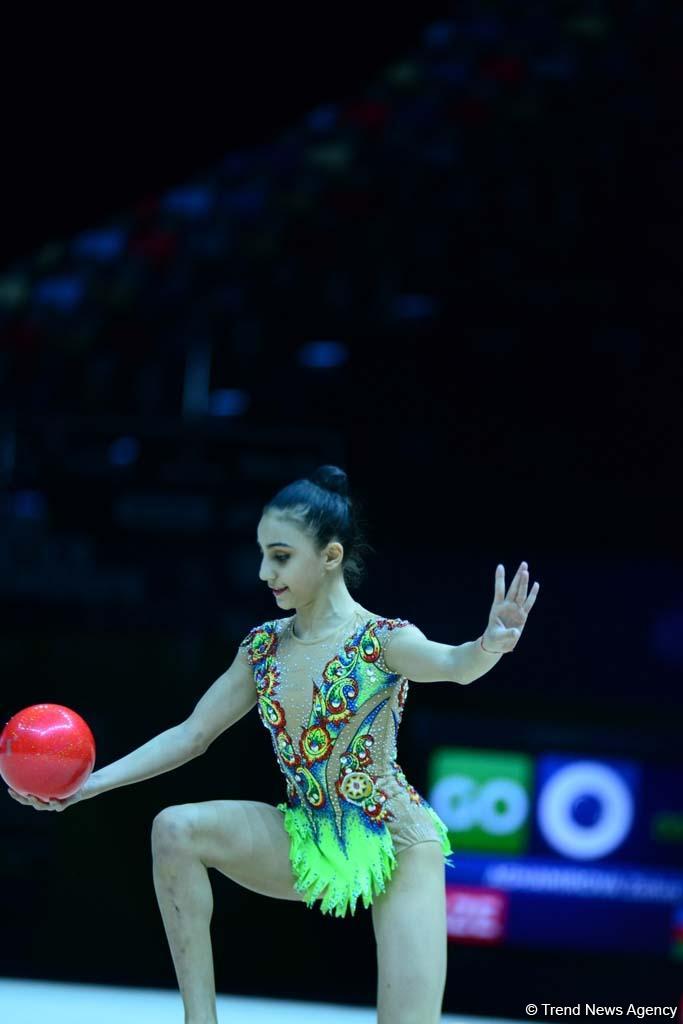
194 742
199 745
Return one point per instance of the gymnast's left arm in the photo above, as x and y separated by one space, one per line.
411 654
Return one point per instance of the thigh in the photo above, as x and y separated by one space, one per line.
409 922
245 840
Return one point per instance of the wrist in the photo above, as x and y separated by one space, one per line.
91 787
486 651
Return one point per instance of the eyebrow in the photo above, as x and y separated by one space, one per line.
276 544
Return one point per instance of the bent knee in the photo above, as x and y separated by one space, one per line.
172 827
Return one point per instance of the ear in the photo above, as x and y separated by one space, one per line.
334 554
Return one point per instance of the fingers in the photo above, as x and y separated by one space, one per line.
499 587
40 804
529 603
519 585
523 582
31 801
20 798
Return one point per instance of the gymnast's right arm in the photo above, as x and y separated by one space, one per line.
223 704
227 700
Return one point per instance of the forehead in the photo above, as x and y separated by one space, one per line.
274 528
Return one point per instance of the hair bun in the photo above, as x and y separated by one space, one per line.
331 478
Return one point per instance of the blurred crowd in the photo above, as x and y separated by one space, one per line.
480 176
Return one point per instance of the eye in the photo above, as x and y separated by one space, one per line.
278 558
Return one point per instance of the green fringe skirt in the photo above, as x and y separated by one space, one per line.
323 869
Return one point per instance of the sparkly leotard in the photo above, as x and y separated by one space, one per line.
333 714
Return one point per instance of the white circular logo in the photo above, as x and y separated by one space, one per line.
560 828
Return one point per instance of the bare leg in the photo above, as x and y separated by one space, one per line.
245 840
409 921
185 900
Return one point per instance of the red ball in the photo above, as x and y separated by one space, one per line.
46 750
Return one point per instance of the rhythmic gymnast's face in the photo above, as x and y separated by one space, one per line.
290 562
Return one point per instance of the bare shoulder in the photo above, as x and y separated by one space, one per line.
375 616
392 620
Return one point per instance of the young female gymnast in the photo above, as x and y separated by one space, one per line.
330 683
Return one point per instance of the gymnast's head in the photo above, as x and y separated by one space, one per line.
311 540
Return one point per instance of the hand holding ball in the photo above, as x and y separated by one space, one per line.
46 751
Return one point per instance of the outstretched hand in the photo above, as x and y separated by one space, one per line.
39 804
508 614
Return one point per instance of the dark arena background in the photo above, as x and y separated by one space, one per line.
440 248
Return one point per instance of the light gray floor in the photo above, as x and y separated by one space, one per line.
48 1002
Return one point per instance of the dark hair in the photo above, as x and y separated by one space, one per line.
322 506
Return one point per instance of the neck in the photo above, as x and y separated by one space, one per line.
323 613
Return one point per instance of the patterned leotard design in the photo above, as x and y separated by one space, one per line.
342 776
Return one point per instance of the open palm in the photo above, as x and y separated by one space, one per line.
509 612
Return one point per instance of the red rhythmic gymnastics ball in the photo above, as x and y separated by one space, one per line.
46 750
